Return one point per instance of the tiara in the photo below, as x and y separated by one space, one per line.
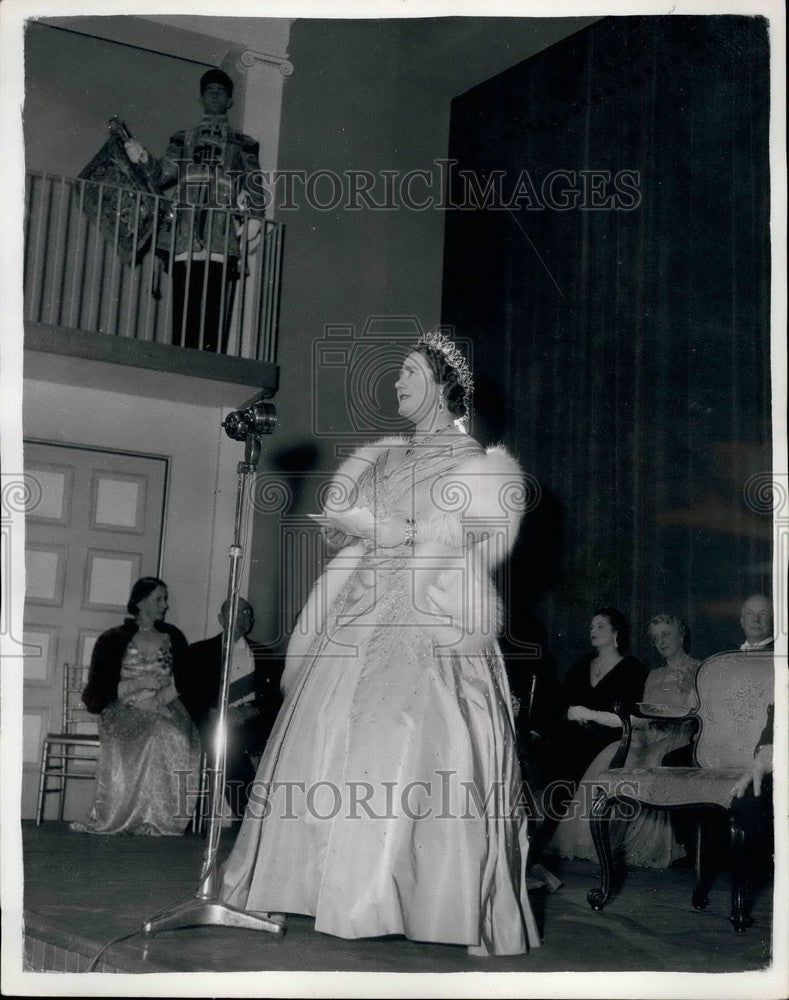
437 341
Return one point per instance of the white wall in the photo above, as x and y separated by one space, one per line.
78 74
256 51
75 83
201 488
200 502
85 70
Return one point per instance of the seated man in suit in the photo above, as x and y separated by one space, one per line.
753 803
756 619
760 777
253 698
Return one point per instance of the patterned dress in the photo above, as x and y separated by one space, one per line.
148 755
386 798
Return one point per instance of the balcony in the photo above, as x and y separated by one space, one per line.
102 308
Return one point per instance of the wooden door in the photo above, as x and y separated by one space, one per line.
96 529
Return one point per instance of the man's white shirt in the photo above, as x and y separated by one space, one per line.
751 646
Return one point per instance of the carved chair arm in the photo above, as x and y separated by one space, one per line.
627 713
624 712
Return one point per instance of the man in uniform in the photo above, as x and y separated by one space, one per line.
215 222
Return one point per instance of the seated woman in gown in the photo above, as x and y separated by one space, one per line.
593 687
146 735
386 801
648 839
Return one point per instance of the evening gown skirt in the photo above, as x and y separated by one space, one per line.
647 840
386 801
148 756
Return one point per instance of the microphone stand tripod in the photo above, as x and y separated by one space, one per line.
205 909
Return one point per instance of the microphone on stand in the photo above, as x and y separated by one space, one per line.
248 423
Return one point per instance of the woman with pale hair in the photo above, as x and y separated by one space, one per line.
672 684
648 839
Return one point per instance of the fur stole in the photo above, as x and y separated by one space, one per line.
467 520
483 493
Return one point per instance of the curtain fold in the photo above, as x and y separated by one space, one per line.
623 353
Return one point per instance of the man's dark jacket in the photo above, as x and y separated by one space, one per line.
201 685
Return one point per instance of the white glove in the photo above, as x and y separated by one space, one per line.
249 232
762 766
136 152
358 522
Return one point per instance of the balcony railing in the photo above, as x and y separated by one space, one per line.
99 257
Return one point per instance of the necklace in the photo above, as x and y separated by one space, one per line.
681 666
145 628
415 443
600 669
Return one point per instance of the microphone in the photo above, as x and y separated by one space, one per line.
251 419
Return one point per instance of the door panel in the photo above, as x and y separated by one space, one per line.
97 528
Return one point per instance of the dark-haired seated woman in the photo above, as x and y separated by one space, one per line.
146 735
593 687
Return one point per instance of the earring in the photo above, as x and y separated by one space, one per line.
441 406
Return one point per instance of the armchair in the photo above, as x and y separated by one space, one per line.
733 693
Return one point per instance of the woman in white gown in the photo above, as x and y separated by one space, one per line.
387 801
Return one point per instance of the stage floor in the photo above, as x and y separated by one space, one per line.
82 890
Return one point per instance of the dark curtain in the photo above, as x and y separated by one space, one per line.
622 344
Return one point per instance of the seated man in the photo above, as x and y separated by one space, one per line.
752 784
253 698
753 801
756 619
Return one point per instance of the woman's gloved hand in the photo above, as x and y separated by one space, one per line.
136 152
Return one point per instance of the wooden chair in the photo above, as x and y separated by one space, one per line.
71 753
733 693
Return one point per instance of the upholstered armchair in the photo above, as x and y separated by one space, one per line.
734 691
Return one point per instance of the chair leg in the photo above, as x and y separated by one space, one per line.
700 896
740 918
63 779
42 783
600 826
